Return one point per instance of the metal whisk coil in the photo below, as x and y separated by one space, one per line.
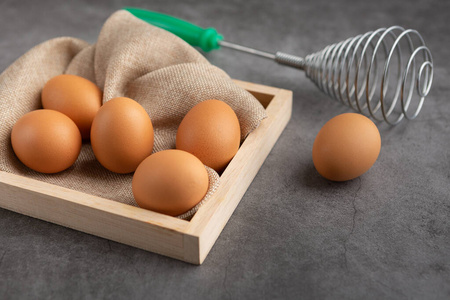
379 73
369 73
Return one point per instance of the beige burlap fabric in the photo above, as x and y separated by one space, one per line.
133 59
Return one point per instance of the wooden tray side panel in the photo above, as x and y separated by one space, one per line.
123 227
210 220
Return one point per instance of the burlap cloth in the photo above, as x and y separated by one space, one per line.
133 59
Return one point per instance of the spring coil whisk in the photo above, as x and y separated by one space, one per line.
385 74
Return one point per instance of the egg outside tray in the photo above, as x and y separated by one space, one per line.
189 241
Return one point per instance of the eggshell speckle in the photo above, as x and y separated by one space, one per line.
46 141
74 96
121 135
170 182
211 132
346 147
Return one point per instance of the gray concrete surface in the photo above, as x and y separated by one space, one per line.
294 235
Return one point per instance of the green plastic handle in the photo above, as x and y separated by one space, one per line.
207 39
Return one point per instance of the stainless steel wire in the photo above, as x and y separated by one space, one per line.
385 74
379 73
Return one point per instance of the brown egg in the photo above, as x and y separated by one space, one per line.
121 135
210 131
46 141
74 96
346 147
170 182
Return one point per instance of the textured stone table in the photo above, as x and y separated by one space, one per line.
385 235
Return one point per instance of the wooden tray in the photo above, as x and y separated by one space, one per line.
189 241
